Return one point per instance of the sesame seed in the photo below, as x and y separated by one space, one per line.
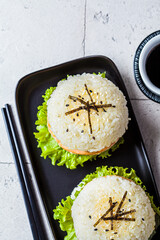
115 232
142 219
67 105
73 119
107 230
90 90
74 100
84 124
77 114
93 138
82 131
97 93
79 96
95 229
67 130
129 200
101 102
83 98
90 216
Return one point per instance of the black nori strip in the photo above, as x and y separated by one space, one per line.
125 213
85 108
126 219
118 218
102 217
89 118
103 105
90 97
78 99
122 201
110 202
75 110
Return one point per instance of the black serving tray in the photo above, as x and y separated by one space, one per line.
56 182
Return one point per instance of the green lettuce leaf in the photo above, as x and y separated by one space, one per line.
62 213
50 147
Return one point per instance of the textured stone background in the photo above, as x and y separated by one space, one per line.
39 34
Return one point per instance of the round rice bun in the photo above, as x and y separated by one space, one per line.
93 202
72 131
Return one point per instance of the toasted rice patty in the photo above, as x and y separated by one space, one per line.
73 130
93 202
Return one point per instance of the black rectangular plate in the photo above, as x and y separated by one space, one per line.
56 182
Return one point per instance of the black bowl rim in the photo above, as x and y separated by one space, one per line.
139 80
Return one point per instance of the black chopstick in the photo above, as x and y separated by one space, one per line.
33 211
25 195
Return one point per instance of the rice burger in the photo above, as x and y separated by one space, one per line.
85 116
108 206
112 207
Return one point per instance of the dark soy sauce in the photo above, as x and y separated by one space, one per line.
153 66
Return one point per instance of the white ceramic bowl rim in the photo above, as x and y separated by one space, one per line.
149 46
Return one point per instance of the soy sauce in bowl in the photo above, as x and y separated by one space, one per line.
153 66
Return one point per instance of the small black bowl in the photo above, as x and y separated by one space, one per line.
137 75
